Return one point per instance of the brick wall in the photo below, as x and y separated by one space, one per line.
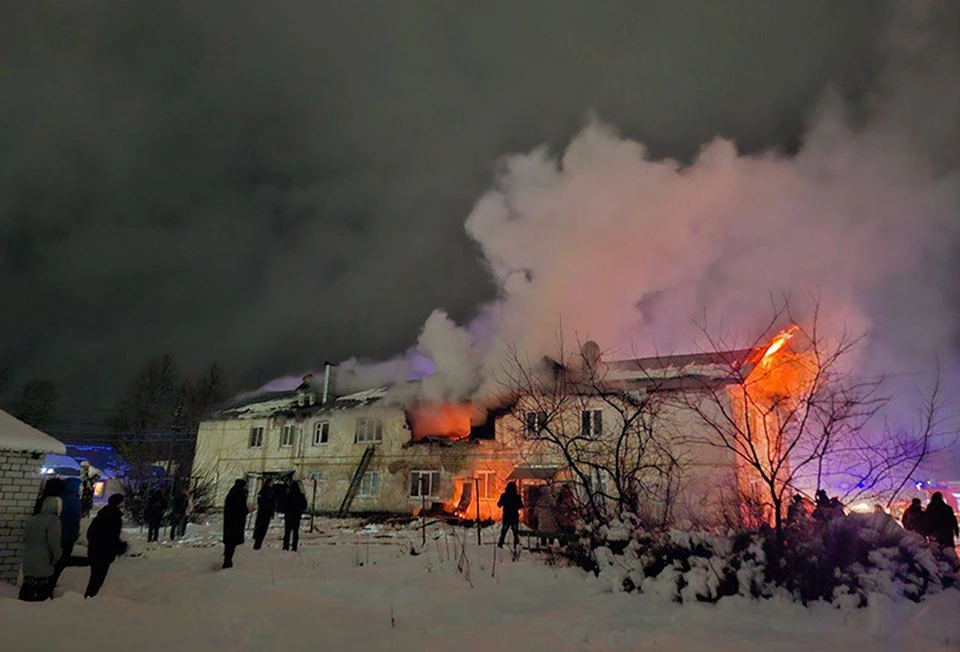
19 484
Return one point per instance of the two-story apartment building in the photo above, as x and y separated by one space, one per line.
364 452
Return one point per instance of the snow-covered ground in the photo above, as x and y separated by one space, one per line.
355 587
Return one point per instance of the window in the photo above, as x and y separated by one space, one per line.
369 485
534 423
487 488
368 431
287 435
591 423
321 433
424 483
256 437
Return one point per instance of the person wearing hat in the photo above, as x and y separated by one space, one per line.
104 542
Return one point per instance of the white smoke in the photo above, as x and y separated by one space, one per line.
635 253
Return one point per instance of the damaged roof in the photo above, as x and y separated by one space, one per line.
269 403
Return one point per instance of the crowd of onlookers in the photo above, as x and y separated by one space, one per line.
274 498
53 531
937 522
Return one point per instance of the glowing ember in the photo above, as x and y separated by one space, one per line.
779 342
441 420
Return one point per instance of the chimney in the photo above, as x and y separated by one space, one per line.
328 368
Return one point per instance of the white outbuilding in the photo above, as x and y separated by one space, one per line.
22 451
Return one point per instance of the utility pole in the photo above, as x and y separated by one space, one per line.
423 514
476 494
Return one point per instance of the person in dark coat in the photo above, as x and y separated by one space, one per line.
913 517
153 514
69 524
235 512
41 552
941 521
178 514
296 504
511 504
104 542
266 507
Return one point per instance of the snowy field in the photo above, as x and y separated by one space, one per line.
355 587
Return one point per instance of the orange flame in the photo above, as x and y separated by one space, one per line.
444 420
779 342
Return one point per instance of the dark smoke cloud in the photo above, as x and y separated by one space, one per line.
275 184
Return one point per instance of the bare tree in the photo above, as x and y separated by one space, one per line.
160 412
570 409
794 412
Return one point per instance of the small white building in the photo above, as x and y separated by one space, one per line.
22 451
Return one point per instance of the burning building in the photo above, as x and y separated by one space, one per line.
586 426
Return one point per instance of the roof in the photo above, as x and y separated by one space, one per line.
270 403
18 436
689 362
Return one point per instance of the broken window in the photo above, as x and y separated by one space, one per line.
256 437
368 431
591 423
424 483
321 433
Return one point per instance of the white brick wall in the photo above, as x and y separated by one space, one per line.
19 485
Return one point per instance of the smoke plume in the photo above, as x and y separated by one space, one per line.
602 241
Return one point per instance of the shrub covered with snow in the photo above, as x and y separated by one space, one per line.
842 562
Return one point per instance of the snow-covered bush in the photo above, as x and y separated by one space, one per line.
842 562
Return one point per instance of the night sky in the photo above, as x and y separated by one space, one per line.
273 185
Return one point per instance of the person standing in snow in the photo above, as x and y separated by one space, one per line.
153 514
266 507
41 552
235 512
69 524
178 514
104 542
511 504
296 504
913 517
941 521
